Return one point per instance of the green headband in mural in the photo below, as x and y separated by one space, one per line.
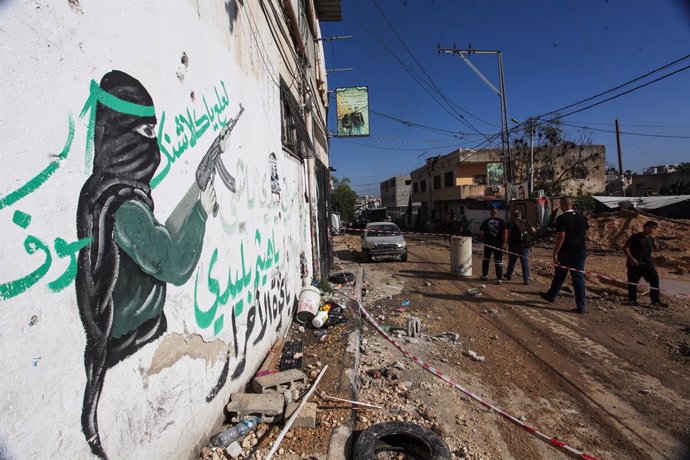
98 94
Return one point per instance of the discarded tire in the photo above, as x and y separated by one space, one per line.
413 440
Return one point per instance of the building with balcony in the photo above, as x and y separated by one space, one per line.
444 184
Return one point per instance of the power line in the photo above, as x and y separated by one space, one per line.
651 72
615 96
630 125
399 148
419 125
629 133
423 83
431 81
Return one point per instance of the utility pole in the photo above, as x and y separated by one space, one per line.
531 157
501 92
620 157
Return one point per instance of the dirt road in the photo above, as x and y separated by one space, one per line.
614 382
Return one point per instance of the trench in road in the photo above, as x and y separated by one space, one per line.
614 423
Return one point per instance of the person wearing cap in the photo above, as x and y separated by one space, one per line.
569 254
520 233
495 237
638 250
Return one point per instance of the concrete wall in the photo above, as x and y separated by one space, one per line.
646 183
121 336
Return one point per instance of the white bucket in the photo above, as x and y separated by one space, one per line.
308 304
461 256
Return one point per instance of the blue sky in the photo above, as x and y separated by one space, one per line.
555 52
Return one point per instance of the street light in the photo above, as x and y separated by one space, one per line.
530 169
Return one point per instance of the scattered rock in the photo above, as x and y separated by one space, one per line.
374 373
234 450
474 356
645 391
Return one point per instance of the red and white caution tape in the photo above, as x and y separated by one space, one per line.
598 275
559 445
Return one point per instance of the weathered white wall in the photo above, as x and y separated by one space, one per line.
154 403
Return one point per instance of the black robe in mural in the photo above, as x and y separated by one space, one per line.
120 298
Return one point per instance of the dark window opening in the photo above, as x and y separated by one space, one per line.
448 179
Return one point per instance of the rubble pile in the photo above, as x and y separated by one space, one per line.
610 232
255 417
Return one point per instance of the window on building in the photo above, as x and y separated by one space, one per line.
479 179
580 172
408 182
415 187
294 134
448 179
437 182
422 186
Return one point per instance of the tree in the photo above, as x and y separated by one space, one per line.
557 158
343 198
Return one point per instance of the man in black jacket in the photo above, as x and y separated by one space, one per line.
569 254
639 249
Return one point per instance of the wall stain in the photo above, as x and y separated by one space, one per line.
174 347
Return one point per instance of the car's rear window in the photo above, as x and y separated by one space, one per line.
383 230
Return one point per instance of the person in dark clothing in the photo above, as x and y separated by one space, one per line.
639 249
122 275
569 254
495 237
520 233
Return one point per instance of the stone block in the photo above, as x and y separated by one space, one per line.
268 406
306 418
280 382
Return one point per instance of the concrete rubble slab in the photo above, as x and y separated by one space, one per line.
268 406
280 382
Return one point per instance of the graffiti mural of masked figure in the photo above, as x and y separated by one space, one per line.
122 276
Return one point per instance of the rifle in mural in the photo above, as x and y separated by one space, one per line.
210 165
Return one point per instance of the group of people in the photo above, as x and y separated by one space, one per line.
569 253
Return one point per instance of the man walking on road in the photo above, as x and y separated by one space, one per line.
520 233
569 254
495 237
638 249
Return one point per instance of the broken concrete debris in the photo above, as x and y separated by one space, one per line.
474 356
267 406
280 382
414 326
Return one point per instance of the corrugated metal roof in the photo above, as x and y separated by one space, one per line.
643 203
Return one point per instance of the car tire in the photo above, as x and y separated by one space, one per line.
400 437
403 257
365 255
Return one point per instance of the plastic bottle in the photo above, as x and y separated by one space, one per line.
226 437
320 318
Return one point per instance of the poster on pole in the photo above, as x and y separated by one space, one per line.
494 174
352 111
